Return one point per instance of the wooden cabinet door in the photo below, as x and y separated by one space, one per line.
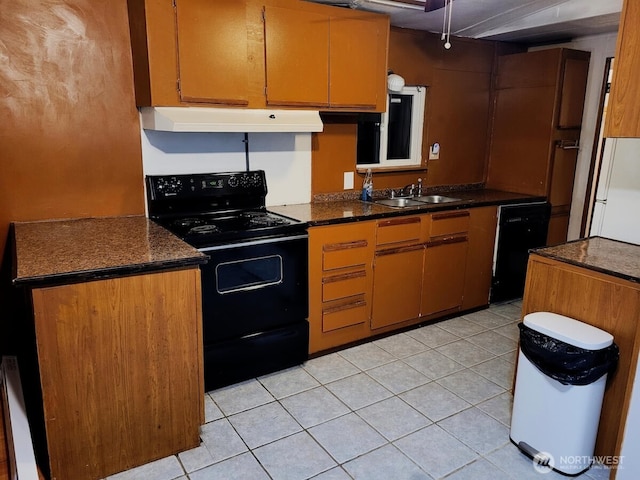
574 87
444 275
353 63
558 227
482 236
397 285
522 130
297 57
564 169
212 51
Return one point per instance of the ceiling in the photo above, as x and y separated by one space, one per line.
527 21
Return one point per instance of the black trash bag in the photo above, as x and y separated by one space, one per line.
568 364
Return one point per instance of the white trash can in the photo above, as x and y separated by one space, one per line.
556 421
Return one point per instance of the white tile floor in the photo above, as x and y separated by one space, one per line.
431 403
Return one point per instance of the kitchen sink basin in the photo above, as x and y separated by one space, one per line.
436 199
399 202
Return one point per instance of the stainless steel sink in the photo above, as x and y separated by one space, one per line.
399 202
436 199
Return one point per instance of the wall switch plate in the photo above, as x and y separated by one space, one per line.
348 180
434 151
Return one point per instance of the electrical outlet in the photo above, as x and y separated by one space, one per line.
434 151
348 180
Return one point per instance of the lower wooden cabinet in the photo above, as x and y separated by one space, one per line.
445 261
479 269
372 277
120 365
397 270
444 273
607 301
340 284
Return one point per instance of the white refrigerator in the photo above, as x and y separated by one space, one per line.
616 211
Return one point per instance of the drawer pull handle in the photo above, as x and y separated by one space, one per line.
344 276
442 216
334 247
392 251
398 221
348 306
446 241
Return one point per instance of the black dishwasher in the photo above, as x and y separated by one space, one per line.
520 228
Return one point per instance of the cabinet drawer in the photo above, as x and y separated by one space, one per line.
342 286
345 315
449 223
344 254
398 230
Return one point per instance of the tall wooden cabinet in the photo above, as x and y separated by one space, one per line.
258 54
536 130
624 100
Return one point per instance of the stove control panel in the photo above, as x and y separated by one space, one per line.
251 183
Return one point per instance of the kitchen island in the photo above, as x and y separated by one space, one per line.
112 335
596 281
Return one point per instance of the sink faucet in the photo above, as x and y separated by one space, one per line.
411 188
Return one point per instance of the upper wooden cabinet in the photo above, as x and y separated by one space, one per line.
624 101
325 58
297 57
258 54
212 51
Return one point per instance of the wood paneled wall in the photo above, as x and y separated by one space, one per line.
69 135
458 113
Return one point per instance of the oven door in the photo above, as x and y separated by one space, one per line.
254 286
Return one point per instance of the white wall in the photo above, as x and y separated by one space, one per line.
285 158
601 47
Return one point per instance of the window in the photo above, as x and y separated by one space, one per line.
393 138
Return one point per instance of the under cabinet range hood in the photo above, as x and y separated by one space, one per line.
204 119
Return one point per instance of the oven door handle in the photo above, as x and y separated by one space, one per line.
261 241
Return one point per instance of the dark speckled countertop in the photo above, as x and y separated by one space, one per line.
612 257
339 211
64 251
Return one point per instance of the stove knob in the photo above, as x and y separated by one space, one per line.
244 181
233 182
256 180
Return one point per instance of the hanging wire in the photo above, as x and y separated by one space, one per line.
444 22
448 4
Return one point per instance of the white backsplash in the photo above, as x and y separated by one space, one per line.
285 158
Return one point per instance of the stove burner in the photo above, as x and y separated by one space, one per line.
188 222
204 230
262 219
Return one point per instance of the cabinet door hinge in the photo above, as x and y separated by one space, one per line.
178 85
264 15
173 3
